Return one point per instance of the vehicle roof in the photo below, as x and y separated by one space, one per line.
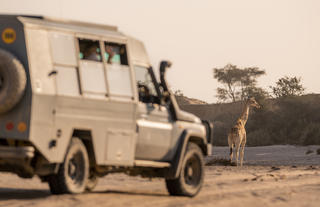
137 49
70 25
139 55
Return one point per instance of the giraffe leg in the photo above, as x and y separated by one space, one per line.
242 148
241 154
237 153
230 146
231 153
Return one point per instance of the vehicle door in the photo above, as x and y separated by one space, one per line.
154 123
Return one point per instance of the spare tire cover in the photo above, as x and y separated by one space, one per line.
13 81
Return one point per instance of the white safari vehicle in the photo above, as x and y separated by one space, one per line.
79 101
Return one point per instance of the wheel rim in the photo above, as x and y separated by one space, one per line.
192 171
76 169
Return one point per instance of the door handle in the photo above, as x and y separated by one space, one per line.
53 72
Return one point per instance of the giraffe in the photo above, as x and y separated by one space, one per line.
237 136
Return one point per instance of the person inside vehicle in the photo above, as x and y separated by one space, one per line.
144 93
91 53
110 53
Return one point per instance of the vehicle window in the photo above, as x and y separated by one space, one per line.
92 78
90 50
115 53
63 49
146 87
64 59
118 70
92 74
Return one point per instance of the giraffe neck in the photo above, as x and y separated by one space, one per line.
245 114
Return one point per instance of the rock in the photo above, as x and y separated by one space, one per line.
275 168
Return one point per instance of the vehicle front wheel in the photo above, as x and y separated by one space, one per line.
191 175
73 172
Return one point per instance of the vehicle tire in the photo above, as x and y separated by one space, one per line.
13 81
91 182
73 172
191 175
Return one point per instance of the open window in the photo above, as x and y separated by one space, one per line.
115 53
90 50
91 67
118 71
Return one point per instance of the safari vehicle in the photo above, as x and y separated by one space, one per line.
79 101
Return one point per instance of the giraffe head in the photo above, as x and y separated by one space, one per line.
252 102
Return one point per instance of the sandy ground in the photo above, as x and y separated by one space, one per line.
272 176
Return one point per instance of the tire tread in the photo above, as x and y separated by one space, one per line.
176 186
58 183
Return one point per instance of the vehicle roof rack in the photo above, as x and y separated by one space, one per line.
80 23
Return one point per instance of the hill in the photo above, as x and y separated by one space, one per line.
184 100
292 120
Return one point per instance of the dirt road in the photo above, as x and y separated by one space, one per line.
256 184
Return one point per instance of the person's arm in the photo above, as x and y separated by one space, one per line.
110 52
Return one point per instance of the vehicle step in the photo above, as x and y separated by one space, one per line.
147 163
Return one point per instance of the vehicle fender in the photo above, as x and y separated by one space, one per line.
185 137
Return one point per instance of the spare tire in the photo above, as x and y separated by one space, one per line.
13 81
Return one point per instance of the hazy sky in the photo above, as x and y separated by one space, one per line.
279 36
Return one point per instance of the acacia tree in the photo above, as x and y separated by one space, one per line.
238 84
287 86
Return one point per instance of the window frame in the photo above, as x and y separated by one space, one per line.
102 40
57 64
93 40
120 45
153 79
129 65
83 93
